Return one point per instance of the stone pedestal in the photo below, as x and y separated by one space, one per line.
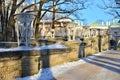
29 65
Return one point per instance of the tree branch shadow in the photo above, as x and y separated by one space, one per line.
44 64
109 64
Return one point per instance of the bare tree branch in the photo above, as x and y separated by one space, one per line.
114 10
31 5
20 3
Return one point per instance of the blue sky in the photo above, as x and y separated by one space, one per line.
93 13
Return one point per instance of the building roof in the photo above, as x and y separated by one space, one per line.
115 25
97 26
64 19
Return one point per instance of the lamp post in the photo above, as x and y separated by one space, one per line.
23 27
109 33
115 36
91 40
115 40
99 40
81 51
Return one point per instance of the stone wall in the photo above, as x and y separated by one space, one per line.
92 45
10 65
21 64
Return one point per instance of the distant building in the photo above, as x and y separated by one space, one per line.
96 26
115 30
60 26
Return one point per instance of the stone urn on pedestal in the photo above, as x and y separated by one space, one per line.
23 27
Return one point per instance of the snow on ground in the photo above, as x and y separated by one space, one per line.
50 73
25 48
53 46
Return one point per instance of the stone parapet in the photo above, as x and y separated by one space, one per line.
26 63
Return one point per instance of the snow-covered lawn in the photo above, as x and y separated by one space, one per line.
51 73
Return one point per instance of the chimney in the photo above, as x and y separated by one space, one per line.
102 23
108 23
81 23
113 21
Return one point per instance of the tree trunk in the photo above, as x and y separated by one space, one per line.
4 38
37 29
38 18
2 11
14 34
53 17
10 28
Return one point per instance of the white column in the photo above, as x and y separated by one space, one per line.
69 34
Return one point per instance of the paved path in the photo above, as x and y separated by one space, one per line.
102 67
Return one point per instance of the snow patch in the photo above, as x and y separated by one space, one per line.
51 73
24 48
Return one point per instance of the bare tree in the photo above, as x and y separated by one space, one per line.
9 7
7 10
112 7
55 6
